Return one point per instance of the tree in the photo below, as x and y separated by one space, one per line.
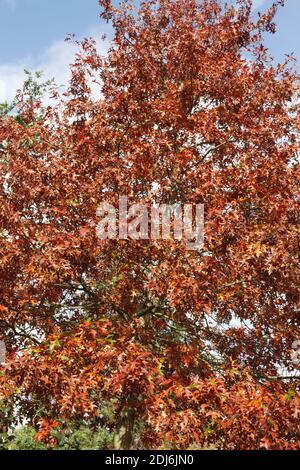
82 438
190 344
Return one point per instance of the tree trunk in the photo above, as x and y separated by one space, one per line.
123 439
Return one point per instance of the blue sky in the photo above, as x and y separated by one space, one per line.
29 26
32 35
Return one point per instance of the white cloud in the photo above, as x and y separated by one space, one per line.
54 62
258 3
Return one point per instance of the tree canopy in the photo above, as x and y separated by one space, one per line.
187 345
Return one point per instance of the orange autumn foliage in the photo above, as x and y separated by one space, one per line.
191 342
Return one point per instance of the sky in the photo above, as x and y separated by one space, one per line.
32 36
